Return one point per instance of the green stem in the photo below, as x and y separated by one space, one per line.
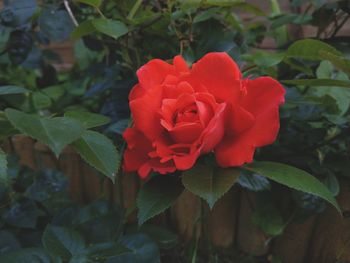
134 9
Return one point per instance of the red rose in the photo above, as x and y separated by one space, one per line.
181 113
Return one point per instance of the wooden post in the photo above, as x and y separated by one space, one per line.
70 165
292 246
331 236
185 213
250 238
24 147
222 220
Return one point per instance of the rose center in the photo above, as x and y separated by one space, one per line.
188 114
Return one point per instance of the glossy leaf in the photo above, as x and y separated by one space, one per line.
83 29
293 178
7 90
89 119
143 250
339 62
94 3
55 23
158 194
105 251
3 167
253 182
54 132
208 182
310 49
62 242
98 151
164 238
109 27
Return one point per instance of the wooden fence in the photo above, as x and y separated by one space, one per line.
323 238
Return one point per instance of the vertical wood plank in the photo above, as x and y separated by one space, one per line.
222 219
70 165
293 245
250 238
24 147
331 237
45 158
184 213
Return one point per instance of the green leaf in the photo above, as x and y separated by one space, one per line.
7 90
221 2
3 167
22 214
55 23
340 62
83 29
143 250
54 132
264 59
32 255
109 27
89 119
293 178
158 194
254 182
103 251
266 215
94 3
62 242
164 238
318 82
208 182
205 15
310 49
332 184
6 128
98 151
41 101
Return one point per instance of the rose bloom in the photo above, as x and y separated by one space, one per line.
181 113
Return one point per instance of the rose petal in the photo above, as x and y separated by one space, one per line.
145 110
185 162
238 120
175 91
136 92
215 130
234 151
220 75
136 154
264 95
180 64
186 132
154 73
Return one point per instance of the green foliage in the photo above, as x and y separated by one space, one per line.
109 27
59 230
310 49
6 90
98 151
158 194
208 182
3 167
90 120
94 3
294 178
61 242
55 132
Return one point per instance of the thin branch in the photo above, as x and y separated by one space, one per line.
69 10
